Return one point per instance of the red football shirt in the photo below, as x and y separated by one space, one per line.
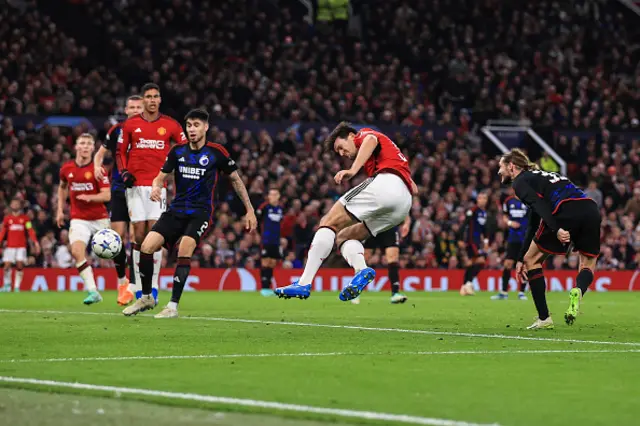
144 145
386 158
81 180
15 228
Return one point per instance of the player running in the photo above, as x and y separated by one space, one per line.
119 211
389 241
88 212
562 214
472 237
270 213
144 143
196 166
380 202
14 226
516 211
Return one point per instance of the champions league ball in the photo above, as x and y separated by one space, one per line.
106 244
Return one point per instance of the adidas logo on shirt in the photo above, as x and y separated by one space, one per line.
181 160
138 130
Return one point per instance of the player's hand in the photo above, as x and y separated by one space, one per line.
414 188
156 194
343 175
36 248
250 221
127 178
60 219
564 236
521 272
84 197
404 229
97 172
514 224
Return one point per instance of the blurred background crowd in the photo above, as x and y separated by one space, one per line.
431 71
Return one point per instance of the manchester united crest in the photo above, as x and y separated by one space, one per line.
162 131
88 175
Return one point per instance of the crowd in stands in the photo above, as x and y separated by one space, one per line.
413 63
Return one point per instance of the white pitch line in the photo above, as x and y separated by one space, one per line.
368 415
345 327
316 354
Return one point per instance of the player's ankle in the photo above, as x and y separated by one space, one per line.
172 305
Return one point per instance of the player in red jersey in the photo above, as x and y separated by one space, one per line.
145 142
380 202
119 214
14 226
88 212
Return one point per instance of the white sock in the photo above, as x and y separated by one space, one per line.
18 281
7 277
157 264
122 280
136 271
87 276
353 253
320 249
172 305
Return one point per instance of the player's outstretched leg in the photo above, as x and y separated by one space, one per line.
353 252
583 281
80 235
320 249
152 242
125 296
533 261
179 280
7 278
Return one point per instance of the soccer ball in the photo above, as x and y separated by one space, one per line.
106 243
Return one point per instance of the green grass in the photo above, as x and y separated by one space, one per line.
385 371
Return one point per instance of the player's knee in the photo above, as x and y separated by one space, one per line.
392 255
531 260
149 246
587 262
78 252
187 247
19 266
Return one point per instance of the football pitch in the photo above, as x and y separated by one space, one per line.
240 359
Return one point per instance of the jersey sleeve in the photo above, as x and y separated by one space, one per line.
30 231
170 162
226 163
468 218
122 147
260 211
178 133
3 230
104 182
527 195
111 138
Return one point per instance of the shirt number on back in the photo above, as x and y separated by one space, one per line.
553 177
203 228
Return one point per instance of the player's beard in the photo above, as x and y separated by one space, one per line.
194 144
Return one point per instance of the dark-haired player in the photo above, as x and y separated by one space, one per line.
144 143
560 213
270 213
389 242
472 237
119 213
380 202
196 167
517 216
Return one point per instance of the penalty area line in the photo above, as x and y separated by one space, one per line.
344 327
315 354
367 415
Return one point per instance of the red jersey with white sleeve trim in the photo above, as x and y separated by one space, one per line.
81 180
15 228
386 158
144 145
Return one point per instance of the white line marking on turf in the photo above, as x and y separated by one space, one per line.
369 415
345 327
317 354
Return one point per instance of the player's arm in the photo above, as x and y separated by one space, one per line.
465 225
534 222
369 144
63 193
405 227
3 230
158 182
527 195
241 190
31 233
122 155
98 161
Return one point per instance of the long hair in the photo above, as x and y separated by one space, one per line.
518 158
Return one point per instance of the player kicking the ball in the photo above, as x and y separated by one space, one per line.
88 212
196 166
119 211
380 202
143 145
561 213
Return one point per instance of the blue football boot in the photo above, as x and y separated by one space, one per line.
357 284
294 290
